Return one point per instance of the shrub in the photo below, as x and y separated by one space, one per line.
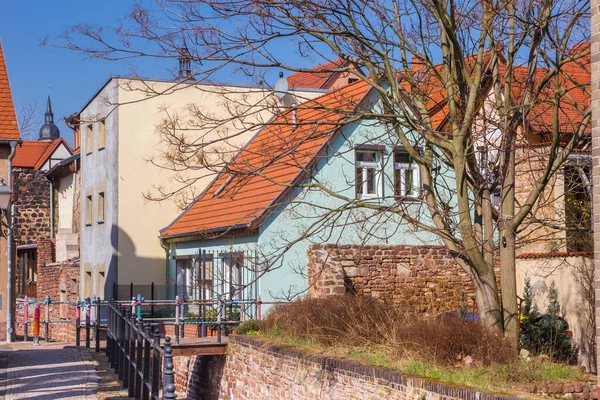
355 321
546 333
251 325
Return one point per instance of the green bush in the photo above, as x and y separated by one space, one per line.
249 326
546 333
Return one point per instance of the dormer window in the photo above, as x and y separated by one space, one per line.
406 175
368 174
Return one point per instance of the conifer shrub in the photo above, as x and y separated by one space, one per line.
546 333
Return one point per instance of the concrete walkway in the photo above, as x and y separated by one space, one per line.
47 372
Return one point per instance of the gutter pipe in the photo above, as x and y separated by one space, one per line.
9 252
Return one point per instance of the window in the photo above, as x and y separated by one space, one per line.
101 207
102 135
204 276
88 210
578 207
89 139
406 175
368 168
233 285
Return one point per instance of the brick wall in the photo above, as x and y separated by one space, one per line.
256 370
32 206
60 281
198 377
418 278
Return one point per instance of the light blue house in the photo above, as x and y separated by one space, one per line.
310 176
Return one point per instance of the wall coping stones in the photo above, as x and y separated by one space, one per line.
384 376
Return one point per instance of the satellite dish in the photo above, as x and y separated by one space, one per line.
281 87
288 100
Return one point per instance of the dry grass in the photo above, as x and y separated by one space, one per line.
372 332
364 322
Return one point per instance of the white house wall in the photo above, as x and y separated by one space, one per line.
99 173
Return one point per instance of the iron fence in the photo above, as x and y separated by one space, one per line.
134 350
137 344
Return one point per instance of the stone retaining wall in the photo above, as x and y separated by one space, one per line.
256 370
418 278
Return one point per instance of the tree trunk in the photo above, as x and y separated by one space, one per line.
508 269
488 300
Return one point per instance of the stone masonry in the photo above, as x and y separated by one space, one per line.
32 206
595 38
255 369
60 281
199 377
416 278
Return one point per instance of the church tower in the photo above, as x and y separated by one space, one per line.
49 131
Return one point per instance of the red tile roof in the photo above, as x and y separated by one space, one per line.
9 130
575 78
34 153
556 254
315 80
269 165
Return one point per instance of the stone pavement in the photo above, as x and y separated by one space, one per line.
52 371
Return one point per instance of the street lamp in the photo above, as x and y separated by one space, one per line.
5 195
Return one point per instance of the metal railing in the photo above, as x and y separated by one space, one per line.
133 348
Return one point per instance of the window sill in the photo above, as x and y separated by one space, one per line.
99 222
368 197
407 198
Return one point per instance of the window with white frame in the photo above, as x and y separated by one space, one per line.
406 175
368 174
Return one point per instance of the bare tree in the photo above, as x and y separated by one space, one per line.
463 86
30 119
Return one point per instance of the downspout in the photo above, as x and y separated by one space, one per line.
9 253
51 209
164 246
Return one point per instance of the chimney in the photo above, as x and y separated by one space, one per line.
185 65
417 65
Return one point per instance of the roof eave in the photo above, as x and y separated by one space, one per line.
208 234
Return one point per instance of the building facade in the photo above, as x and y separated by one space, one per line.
9 138
34 200
119 144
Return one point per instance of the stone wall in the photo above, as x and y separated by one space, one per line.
418 278
60 281
198 377
256 370
32 206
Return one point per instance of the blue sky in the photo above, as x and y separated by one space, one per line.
32 68
72 77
